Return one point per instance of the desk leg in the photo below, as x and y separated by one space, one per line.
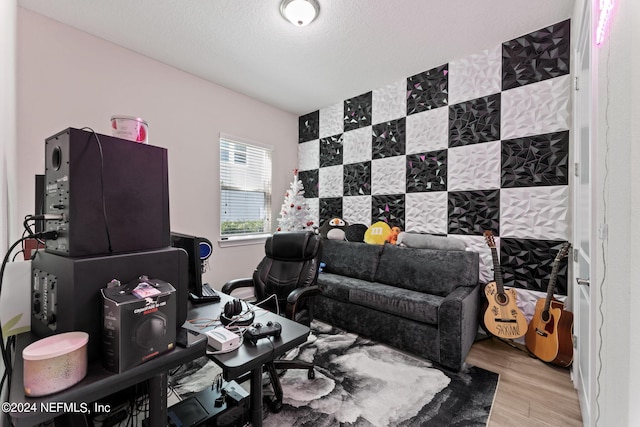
256 397
158 400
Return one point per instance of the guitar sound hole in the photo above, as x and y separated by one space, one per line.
545 316
501 298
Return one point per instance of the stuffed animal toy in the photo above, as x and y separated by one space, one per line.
334 229
377 233
393 236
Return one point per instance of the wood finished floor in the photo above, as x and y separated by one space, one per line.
530 392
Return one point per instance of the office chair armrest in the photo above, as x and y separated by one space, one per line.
298 295
234 284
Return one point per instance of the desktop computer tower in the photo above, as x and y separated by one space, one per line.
107 195
65 291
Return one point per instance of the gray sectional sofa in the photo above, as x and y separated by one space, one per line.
422 301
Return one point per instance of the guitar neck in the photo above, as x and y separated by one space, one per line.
497 271
552 284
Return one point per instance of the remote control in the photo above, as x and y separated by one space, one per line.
259 331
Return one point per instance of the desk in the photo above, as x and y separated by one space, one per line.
100 383
251 357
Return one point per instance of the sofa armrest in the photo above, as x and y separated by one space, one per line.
297 296
234 284
458 325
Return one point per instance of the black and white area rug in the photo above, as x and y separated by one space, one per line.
360 382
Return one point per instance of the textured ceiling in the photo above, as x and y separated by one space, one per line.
352 47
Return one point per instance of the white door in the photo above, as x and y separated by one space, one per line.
584 292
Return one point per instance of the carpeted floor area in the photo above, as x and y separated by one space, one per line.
360 382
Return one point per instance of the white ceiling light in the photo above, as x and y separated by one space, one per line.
299 12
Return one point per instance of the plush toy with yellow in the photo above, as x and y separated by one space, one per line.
377 234
393 235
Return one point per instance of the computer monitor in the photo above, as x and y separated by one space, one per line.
198 250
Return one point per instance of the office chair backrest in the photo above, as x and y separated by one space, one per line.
291 261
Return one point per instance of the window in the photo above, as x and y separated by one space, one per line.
245 188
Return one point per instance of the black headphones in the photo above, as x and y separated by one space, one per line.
234 313
150 330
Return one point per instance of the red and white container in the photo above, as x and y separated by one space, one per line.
131 128
55 363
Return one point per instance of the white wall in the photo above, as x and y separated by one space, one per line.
8 10
67 78
7 134
618 187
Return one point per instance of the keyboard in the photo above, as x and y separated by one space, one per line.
208 295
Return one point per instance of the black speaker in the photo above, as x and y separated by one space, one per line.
112 195
39 201
66 295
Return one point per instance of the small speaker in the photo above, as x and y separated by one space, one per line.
112 195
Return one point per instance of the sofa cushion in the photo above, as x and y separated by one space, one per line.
427 270
337 287
397 301
429 241
351 259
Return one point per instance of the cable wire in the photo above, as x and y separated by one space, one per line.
104 205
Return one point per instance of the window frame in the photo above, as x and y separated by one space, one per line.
244 238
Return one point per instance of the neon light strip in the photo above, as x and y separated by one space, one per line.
606 7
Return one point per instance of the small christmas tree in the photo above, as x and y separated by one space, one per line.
295 214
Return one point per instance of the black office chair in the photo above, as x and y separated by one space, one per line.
290 271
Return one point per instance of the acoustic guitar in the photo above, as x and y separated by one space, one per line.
502 316
551 327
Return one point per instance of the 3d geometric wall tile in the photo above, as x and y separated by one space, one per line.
389 102
473 212
389 139
428 131
330 208
308 127
535 212
357 179
528 263
357 112
537 56
474 167
475 76
427 172
331 151
388 176
427 90
536 108
480 143
389 209
536 160
309 155
478 244
357 209
310 182
477 120
330 179
426 212
331 120
357 145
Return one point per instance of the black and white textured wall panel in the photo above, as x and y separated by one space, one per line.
480 143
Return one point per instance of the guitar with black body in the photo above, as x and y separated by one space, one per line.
502 317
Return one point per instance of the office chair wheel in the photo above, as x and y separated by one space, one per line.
275 405
311 374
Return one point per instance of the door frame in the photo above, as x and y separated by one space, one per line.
585 297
